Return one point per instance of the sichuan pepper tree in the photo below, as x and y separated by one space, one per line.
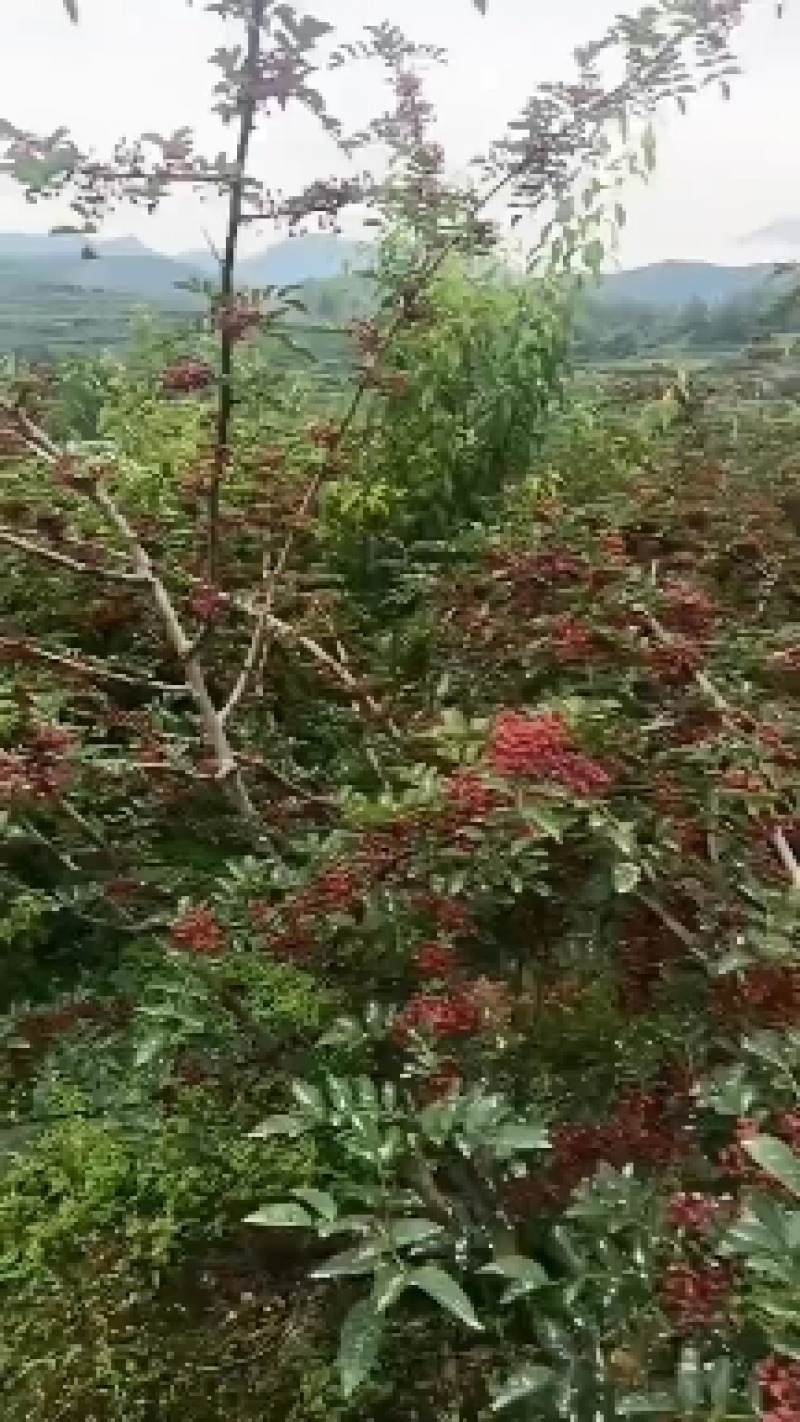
425 817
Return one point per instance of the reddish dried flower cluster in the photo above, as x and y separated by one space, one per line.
779 1379
471 798
527 745
540 748
198 931
697 1296
185 376
542 568
442 1083
293 928
647 951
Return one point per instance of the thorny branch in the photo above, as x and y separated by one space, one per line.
63 560
778 838
90 484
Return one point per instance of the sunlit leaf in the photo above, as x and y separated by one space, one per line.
521 1386
319 1201
777 1159
626 876
290 1126
284 1216
447 1292
359 1345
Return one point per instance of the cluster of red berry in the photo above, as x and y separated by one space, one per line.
767 995
697 1296
779 1379
571 641
41 1028
454 1015
541 748
699 1214
198 931
40 770
238 318
209 603
185 376
435 960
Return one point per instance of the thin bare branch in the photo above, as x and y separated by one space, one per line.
247 123
228 769
777 838
63 560
93 670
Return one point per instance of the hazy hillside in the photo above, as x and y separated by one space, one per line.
677 283
53 298
309 257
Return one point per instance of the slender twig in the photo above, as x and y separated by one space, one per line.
91 669
213 726
248 107
669 921
777 837
286 633
63 560
228 769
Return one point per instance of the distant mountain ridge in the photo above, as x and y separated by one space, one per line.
126 266
676 283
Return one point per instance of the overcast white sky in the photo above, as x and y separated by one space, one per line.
724 170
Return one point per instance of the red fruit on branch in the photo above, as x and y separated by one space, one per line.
198 931
435 960
697 1296
184 377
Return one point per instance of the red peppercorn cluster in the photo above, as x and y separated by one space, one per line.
699 1214
571 641
435 960
540 748
238 318
763 996
454 1015
779 1380
697 1296
208 603
41 770
442 1083
40 1029
446 914
644 957
675 662
293 928
471 798
688 610
650 1129
185 376
198 932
